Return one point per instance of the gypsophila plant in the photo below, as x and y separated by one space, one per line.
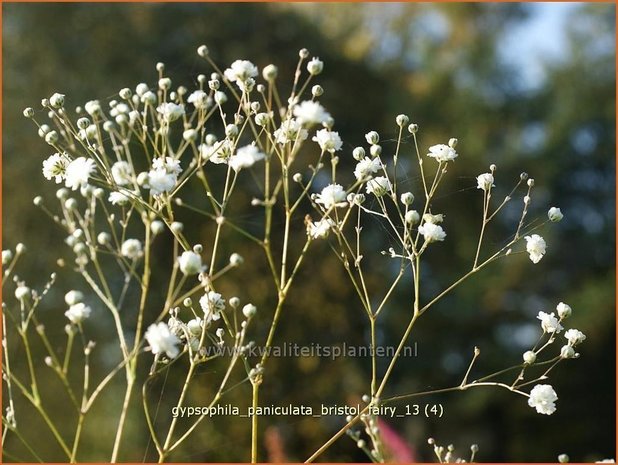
122 170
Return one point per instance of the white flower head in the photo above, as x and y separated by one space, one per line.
131 248
442 153
320 229
212 304
170 111
245 157
378 186
55 167
162 340
199 99
543 398
190 263
122 173
310 112
333 195
366 168
195 326
161 181
554 214
118 198
329 141
73 297
564 310
78 172
290 131
432 232
315 66
535 246
549 322
574 336
240 71
78 312
169 164
485 181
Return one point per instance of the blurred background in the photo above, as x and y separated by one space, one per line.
530 87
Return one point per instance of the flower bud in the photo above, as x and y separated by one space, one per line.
413 128
567 352
202 51
29 112
452 143
372 137
317 91
315 66
125 93
375 150
73 297
104 238
157 227
165 83
297 177
22 292
358 153
236 259
7 256
220 97
554 214
402 120
51 137
234 302
176 227
407 198
529 357
564 311
412 217
249 310
269 73
530 182
303 53
57 100
563 458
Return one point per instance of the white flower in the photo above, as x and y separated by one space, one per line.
162 340
290 131
332 195
249 310
190 263
554 214
169 164
315 66
240 71
212 304
575 336
170 111
218 154
236 259
564 311
195 326
7 256
55 167
529 357
442 153
549 322
412 217
567 351
131 248
543 398
329 141
78 312
78 172
161 181
432 232
309 112
366 168
321 229
535 246
485 181
118 198
21 292
93 107
73 297
378 186
122 173
245 157
198 98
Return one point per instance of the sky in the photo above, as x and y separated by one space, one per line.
540 38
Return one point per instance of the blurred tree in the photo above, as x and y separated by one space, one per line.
441 65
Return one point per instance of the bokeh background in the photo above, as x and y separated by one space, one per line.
530 87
